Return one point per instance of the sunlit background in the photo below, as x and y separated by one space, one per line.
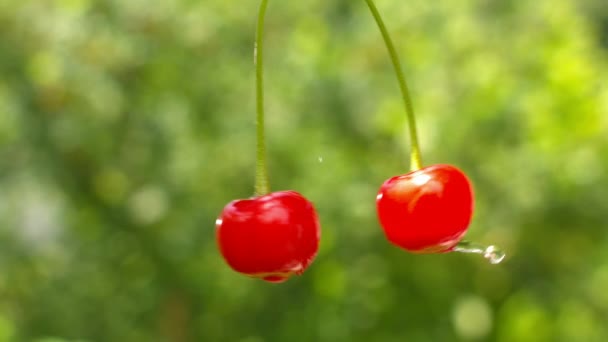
126 126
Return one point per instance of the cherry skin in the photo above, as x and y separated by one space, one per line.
427 210
270 237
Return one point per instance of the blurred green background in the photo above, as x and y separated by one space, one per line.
126 126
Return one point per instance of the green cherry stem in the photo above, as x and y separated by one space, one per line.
261 170
415 157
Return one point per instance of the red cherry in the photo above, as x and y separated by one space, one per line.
270 237
427 210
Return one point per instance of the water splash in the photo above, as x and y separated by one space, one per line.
492 253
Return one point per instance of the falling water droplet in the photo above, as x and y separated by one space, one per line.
320 159
492 253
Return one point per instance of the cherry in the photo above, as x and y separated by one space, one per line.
273 235
427 210
270 237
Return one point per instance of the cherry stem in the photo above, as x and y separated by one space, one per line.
261 172
492 253
415 157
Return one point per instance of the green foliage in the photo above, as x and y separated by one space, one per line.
126 126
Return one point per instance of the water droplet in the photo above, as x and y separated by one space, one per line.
320 159
492 253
